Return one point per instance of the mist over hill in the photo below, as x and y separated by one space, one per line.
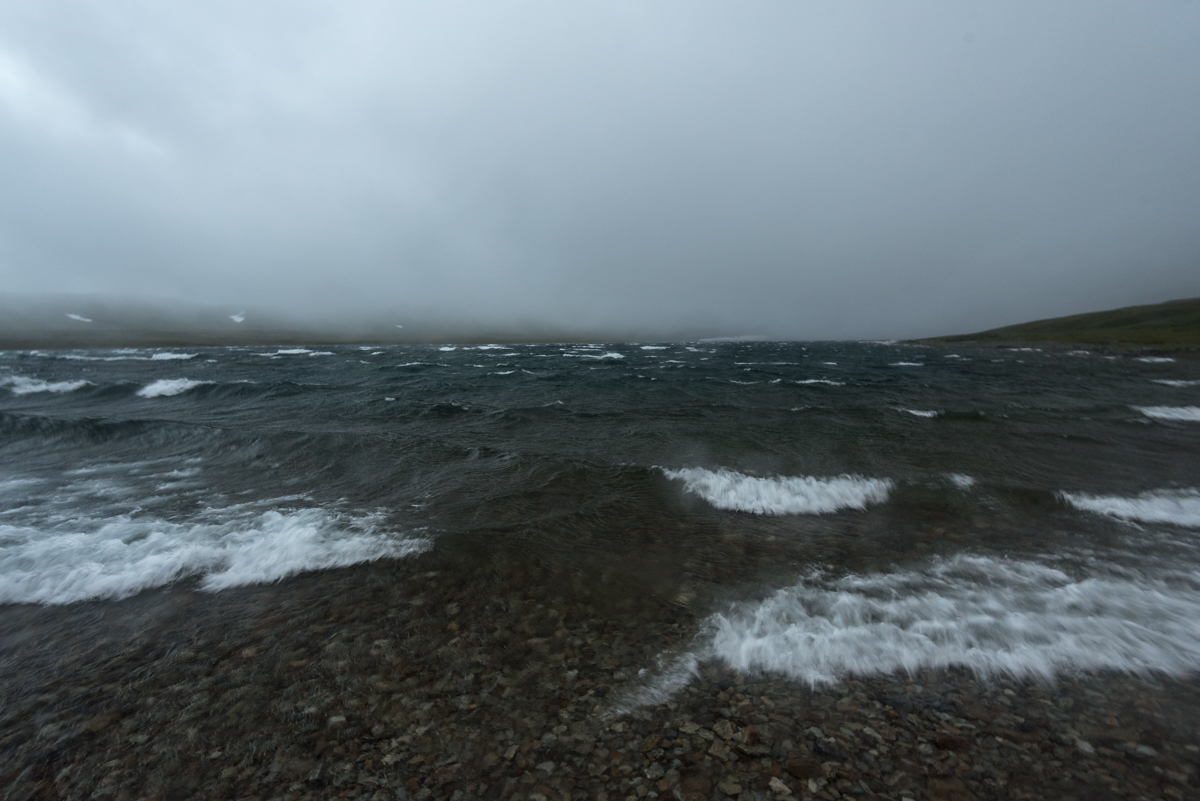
92 321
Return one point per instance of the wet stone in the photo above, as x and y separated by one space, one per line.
413 710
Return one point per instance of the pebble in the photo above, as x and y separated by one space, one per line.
350 690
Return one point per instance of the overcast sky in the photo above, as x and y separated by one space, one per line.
795 169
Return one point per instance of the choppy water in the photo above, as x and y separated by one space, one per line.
826 508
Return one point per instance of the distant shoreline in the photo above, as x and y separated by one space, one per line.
1170 327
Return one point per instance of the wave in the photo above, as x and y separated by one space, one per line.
784 495
126 357
21 385
122 556
1180 507
1183 413
168 386
993 616
289 352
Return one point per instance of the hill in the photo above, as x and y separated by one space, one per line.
1171 325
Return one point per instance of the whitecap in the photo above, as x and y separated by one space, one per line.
821 381
602 356
962 481
1181 507
1155 359
168 356
993 616
906 364
119 557
287 352
782 495
21 385
448 348
654 347
922 412
1170 382
165 387
1182 413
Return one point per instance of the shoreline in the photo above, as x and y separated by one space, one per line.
436 678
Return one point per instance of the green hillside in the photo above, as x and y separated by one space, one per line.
1174 324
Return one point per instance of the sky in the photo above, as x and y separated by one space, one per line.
813 170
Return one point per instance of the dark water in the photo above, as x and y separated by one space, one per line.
1056 488
804 512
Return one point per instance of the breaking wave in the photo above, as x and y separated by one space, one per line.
21 385
168 386
993 616
783 495
121 556
1180 507
1185 413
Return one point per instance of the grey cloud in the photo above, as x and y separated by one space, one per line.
808 170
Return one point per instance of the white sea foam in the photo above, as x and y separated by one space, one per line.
121 556
167 356
991 615
906 364
1175 382
168 386
1183 413
288 352
922 413
782 495
1155 359
22 385
1178 506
